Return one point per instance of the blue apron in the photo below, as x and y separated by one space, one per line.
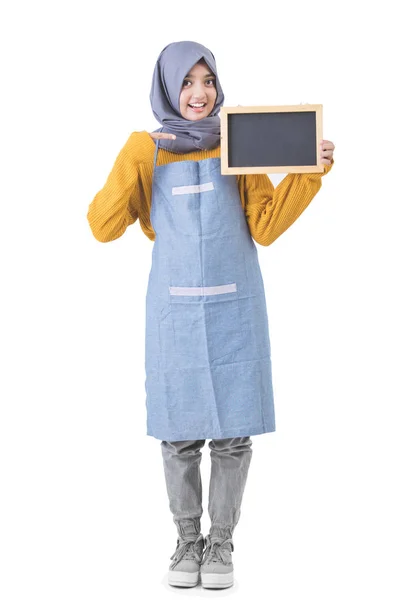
207 353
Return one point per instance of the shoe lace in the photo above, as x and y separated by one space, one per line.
214 550
188 549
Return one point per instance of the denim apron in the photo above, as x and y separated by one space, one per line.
207 351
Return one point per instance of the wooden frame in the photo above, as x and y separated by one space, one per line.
225 111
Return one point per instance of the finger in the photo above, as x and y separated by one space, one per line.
326 153
327 145
163 136
326 148
325 161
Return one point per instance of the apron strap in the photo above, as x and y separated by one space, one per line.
155 155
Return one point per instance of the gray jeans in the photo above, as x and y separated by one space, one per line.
230 460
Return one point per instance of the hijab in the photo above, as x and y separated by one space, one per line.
172 66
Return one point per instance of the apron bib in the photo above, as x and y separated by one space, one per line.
207 353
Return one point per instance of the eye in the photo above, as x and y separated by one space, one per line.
185 82
212 81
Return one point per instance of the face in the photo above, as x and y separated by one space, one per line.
198 93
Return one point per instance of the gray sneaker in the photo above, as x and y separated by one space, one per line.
216 567
185 567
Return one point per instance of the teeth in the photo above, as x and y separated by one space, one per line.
198 105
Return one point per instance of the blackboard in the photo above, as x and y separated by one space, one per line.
271 139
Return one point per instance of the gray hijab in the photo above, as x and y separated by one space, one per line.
172 66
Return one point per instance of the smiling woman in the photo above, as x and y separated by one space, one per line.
207 349
199 93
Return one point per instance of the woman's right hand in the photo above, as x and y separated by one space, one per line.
158 135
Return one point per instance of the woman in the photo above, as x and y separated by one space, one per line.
208 359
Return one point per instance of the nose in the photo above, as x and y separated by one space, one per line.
198 90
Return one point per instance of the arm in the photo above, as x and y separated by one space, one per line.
116 205
270 212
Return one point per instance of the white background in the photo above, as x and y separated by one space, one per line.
83 505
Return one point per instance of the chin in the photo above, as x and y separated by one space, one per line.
189 115
196 118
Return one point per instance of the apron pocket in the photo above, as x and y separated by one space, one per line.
195 209
206 330
223 327
189 337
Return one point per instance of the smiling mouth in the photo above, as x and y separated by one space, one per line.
197 106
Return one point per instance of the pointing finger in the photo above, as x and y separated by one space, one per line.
163 136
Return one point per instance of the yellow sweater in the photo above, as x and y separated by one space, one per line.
126 195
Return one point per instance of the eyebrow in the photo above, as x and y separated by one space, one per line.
207 76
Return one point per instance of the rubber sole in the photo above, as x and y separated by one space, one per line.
217 580
183 579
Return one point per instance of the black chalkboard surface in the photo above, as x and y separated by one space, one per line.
271 139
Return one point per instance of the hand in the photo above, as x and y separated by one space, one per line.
326 152
158 135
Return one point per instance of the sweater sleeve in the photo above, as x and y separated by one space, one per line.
117 204
270 212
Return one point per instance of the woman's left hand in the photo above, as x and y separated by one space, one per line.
326 152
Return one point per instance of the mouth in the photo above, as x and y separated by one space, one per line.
197 107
